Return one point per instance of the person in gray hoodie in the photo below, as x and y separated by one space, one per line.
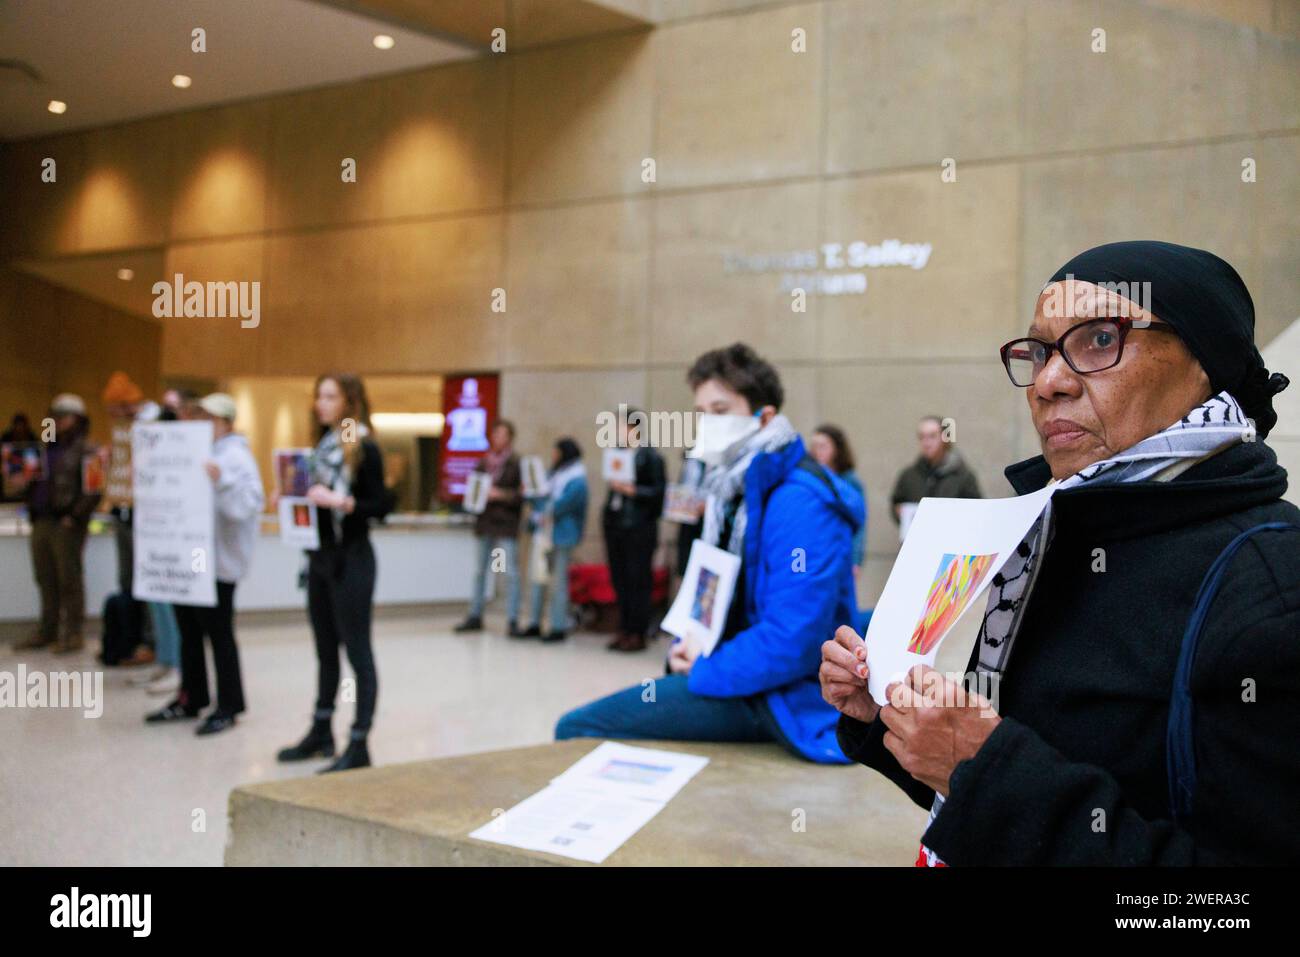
238 497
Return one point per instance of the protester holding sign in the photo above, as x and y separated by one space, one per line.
238 501
1138 664
791 524
497 528
347 488
631 524
60 510
561 517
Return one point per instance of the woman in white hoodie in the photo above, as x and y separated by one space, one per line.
237 494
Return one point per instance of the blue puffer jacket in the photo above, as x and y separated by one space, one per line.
798 590
569 514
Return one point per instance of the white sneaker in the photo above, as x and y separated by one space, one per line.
169 682
149 677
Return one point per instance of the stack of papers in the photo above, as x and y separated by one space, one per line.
591 810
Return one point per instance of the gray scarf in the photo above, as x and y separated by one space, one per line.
1207 429
725 484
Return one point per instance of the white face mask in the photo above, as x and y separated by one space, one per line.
718 434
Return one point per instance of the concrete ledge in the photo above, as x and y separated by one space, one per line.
739 810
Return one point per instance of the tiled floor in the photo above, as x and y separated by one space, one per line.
113 791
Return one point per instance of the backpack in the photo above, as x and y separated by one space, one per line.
121 628
1180 735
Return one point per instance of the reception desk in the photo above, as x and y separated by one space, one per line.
422 559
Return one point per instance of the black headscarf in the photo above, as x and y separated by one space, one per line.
1208 305
568 450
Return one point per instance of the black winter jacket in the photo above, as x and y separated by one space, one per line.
1075 772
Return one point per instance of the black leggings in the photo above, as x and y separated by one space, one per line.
340 602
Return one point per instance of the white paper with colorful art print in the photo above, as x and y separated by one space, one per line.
619 465
477 486
952 549
699 611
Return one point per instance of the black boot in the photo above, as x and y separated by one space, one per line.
319 743
357 755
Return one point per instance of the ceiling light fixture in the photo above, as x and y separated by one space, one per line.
57 106
126 275
181 81
383 41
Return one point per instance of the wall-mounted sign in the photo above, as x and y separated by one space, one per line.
832 269
469 407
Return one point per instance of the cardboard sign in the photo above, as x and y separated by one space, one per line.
174 513
298 519
699 612
619 465
533 475
477 486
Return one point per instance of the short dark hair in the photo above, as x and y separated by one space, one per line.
509 427
843 460
743 371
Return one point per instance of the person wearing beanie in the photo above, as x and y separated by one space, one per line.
238 500
59 508
1135 689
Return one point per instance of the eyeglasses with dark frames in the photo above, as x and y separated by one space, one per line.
1092 346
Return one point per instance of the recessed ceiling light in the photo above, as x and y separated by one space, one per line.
181 81
57 106
383 41
126 275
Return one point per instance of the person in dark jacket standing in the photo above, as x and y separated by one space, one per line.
497 526
348 491
938 472
1150 406
60 509
630 521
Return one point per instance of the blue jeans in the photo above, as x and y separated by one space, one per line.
559 589
486 545
675 714
166 634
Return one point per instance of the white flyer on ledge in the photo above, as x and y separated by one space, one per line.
952 549
592 809
699 612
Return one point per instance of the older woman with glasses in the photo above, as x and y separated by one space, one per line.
1140 652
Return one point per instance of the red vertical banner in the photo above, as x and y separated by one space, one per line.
469 407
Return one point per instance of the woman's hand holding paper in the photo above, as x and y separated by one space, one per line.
843 675
934 724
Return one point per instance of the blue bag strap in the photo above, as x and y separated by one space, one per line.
1180 736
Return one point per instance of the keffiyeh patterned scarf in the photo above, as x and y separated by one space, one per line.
329 468
1207 429
725 484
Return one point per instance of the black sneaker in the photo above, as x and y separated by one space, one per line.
173 712
555 636
215 723
469 624
532 631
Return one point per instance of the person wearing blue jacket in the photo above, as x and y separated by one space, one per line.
791 522
561 518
